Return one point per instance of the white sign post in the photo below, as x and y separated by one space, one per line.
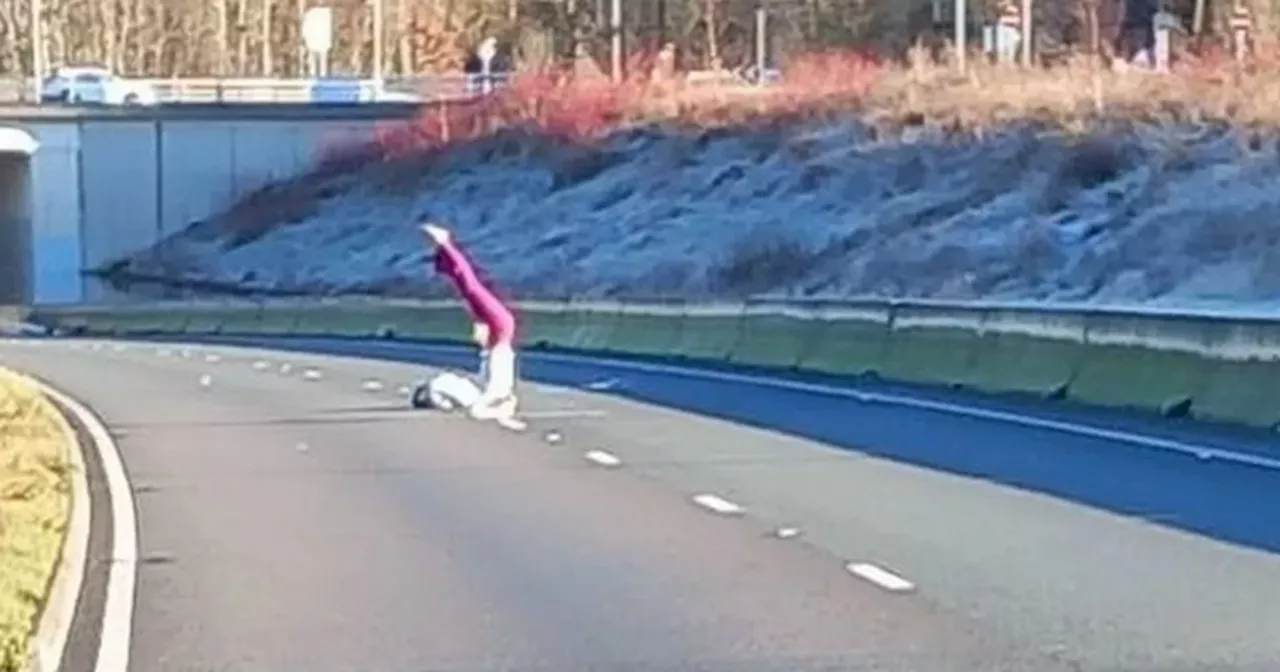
317 37
1164 24
487 51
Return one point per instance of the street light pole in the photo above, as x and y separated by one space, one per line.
1028 30
962 33
377 40
38 65
615 27
762 42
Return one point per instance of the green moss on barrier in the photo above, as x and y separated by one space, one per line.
712 334
1014 362
592 328
932 346
546 325
638 333
775 336
1139 378
1245 392
434 322
850 342
239 319
204 322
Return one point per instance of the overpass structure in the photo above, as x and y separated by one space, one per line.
82 186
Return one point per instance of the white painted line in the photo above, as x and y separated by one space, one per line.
50 639
717 504
312 374
206 380
404 391
117 612
787 532
602 385
260 366
603 459
371 385
286 368
553 414
881 577
212 359
1079 429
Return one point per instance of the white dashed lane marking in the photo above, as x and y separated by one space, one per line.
603 459
880 577
787 532
717 504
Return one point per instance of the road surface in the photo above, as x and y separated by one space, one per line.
294 514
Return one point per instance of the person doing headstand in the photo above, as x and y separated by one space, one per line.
494 325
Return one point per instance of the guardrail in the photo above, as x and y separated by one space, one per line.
207 90
425 88
1213 366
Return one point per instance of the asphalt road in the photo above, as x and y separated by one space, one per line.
288 522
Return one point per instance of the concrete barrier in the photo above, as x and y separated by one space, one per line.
1215 366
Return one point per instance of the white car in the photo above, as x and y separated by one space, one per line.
94 85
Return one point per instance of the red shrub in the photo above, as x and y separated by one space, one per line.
572 109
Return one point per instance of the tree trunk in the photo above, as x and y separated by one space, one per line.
713 40
268 40
242 38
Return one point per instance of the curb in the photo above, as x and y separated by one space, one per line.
49 640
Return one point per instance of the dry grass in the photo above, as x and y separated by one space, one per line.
1077 96
35 499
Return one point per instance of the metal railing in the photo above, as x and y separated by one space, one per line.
274 90
426 88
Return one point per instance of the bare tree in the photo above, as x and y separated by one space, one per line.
237 38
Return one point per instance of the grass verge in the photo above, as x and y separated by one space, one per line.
35 502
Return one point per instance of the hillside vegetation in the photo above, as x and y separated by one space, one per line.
850 179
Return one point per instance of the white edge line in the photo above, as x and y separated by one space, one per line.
49 642
513 424
603 458
1143 440
564 414
117 612
717 504
880 576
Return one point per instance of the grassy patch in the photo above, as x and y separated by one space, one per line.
35 500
